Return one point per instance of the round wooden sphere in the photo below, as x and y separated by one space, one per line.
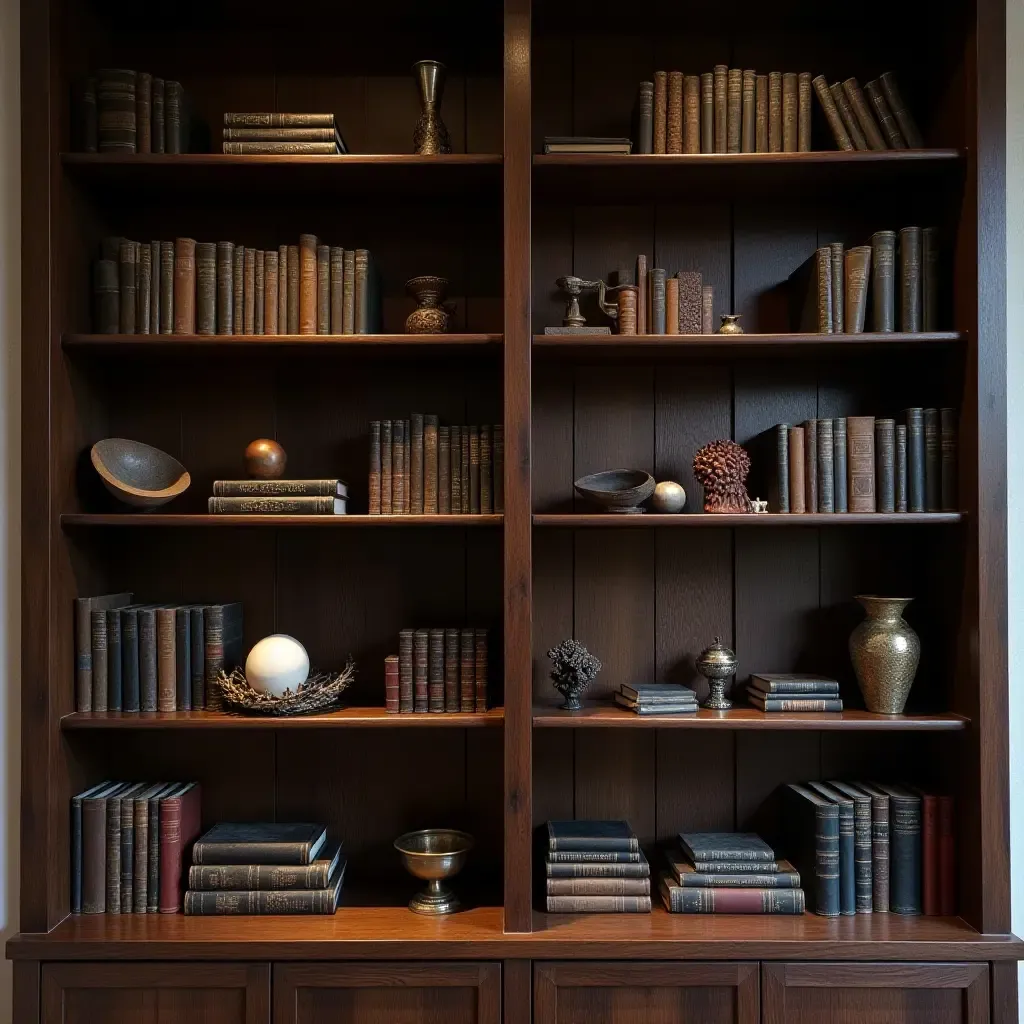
277 663
668 497
265 459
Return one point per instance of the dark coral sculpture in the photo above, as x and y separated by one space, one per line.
721 468
575 668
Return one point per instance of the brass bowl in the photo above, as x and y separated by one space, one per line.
434 855
617 490
138 474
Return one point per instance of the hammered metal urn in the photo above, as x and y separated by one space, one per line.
716 664
430 136
431 315
885 653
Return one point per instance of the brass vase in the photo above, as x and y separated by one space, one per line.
430 136
885 652
431 316
730 324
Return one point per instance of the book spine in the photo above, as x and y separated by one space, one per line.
197 657
474 470
94 856
127 287
184 286
947 854
348 296
598 904
323 289
721 85
788 687
847 116
645 118
910 280
167 288
144 292
307 284
857 268
83 654
908 126
170 855
598 886
264 134
860 456
276 488
232 120
691 299
416 468
570 869
486 471
114 663
707 309
100 658
480 670
420 670
930 855
862 112
734 110
847 860
113 858
282 289
268 853
173 135
905 851
617 858
804 90
158 130
761 114
739 880
260 293
456 470
880 854
660 111
206 288
405 671
798 704
707 112
828 105
115 111
385 468
182 659
883 260
862 854
147 660
775 112
948 483
823 288
294 287
392 704
107 297
915 460
127 854
451 670
375 469
225 288
932 461
643 322
782 468
362 292
929 279
238 289
674 114
890 129
826 861
790 123
165 654
811 466
280 148
826 467
435 671
657 325
248 291
261 877
337 289
691 113
430 465
467 670
900 468
399 482
885 465
256 903
797 486
835 250
465 473
130 659
684 900
270 297
839 490
140 864
747 130
321 506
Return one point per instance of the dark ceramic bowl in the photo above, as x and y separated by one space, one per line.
617 490
137 473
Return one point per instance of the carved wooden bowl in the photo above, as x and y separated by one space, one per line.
138 474
617 490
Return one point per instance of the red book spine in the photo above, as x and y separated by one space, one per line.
391 704
947 858
929 854
179 829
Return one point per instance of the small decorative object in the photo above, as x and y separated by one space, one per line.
430 136
575 668
574 322
758 506
432 315
434 855
138 474
265 459
617 490
885 653
730 324
716 664
277 665
320 692
721 468
668 497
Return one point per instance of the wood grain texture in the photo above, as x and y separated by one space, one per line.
517 992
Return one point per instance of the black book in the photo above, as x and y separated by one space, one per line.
915 459
779 496
76 844
812 829
183 658
863 875
587 836
839 464
904 850
115 692
222 628
592 869
793 684
147 659
197 666
130 658
932 461
826 470
885 465
659 692
725 846
281 842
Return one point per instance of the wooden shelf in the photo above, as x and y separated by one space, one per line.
650 520
611 716
346 718
393 345
222 177
171 519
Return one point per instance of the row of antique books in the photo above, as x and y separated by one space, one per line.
121 111
870 847
729 110
419 467
265 868
129 846
152 657
279 497
664 303
864 464
829 291
189 287
437 670
282 134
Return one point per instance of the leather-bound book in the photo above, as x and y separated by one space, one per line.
391 702
157 130
323 289
153 858
416 466
430 465
435 671
486 491
835 122
128 799
605 868
598 904
184 286
721 113
900 469
948 486
276 120
761 114
84 607
657 324
904 850
748 114
94 846
183 659
643 322
908 126
138 286
143 113
238 289
269 844
100 654
847 116
385 467
932 461
915 459
144 292
154 288
947 858
645 118
811 466
180 817
598 887
862 112
337 288
811 294
886 120
674 114
456 432
147 659
707 112
363 300
270 276
855 286
206 288
498 443
166 287
225 287
126 281
405 671
885 465
826 467
812 829
451 670
307 284
480 670
691 309
803 106
466 473
862 873
883 292
474 469
113 854
130 659
248 290
797 485
838 286
166 668
734 110
174 135
78 842
790 112
115 110
839 478
707 309
294 273
420 670
671 305
249 902
775 112
860 463
691 113
929 279
140 860
348 296
107 296
847 851
282 289
261 293
659 114
197 648
879 845
910 279
779 489
467 670
399 481
375 472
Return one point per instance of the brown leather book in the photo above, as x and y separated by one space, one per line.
261 292
761 114
416 465
486 492
180 823
115 103
861 110
910 279
908 126
307 284
385 467
238 288
166 679
660 109
734 110
248 290
855 285
154 290
451 670
421 671
270 295
467 670
747 132
337 271
480 670
407 503
883 291
629 303
811 466
430 465
349 293
94 847
674 113
775 112
184 286
405 671
465 472
828 105
838 286
126 281
707 112
721 86
144 290
435 671
797 486
671 305
456 470
886 120
282 289
691 302
158 116
444 471
225 288
166 287
860 463
803 116
929 279
206 288
811 293
847 116
323 289
391 702
790 120
498 443
691 113
474 469
642 319
375 471
294 273
707 309
143 112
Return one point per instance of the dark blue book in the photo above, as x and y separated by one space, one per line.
812 828
915 460
729 846
130 658
281 842
183 658
668 693
904 850
862 870
595 857
115 693
197 649
591 836
147 659
76 845
847 848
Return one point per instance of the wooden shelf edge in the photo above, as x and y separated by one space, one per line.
730 343
148 342
175 520
144 160
827 157
347 718
766 520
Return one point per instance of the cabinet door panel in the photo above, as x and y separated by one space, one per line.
798 993
387 993
655 993
156 993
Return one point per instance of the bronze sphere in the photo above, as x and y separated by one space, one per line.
265 459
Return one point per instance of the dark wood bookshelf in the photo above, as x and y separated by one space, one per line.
391 344
762 520
347 522
346 718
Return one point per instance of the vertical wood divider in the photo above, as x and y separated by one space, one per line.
518 579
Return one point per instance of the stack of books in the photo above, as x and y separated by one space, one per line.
279 497
596 867
275 868
585 144
120 111
437 670
729 873
291 134
779 691
657 699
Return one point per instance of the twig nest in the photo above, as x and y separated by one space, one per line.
277 665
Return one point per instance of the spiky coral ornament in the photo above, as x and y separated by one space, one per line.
575 668
721 468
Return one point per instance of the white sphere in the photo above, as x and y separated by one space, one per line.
277 663
668 497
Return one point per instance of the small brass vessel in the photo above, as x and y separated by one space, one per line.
716 664
434 855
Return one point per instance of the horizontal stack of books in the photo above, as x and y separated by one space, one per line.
283 134
596 867
586 144
129 846
190 287
778 691
275 868
729 873
279 497
152 657
437 670
657 699
863 464
419 467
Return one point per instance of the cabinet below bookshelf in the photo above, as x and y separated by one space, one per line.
358 718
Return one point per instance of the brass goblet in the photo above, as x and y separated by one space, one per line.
434 855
